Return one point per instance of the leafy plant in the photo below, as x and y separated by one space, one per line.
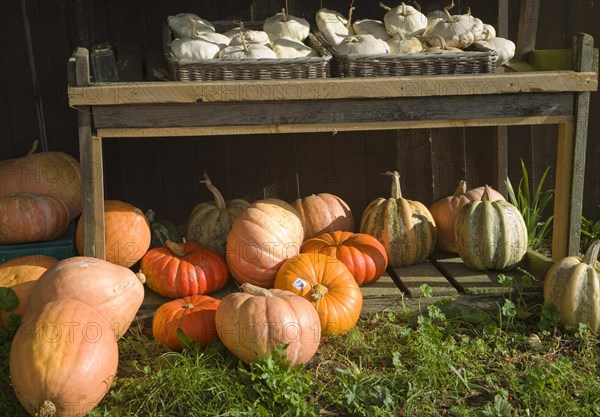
532 206
590 231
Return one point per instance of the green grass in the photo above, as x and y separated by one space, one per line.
452 361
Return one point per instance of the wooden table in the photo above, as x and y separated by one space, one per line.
167 109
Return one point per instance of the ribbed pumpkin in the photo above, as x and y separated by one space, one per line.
50 173
328 284
114 291
126 230
21 274
210 223
26 217
445 210
490 234
194 315
323 213
364 255
180 270
63 359
404 227
262 237
253 322
573 286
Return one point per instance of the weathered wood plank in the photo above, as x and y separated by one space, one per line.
536 264
411 278
414 155
319 112
332 89
562 192
384 287
528 20
447 160
280 168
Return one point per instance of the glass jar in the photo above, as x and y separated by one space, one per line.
104 64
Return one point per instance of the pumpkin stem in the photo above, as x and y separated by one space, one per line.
192 22
47 409
396 190
487 194
417 5
187 306
404 12
350 13
219 200
318 291
383 6
461 189
255 290
141 276
591 256
34 147
150 215
283 15
447 9
176 248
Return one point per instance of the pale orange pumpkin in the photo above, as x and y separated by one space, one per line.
114 291
253 322
262 237
21 275
127 233
56 174
63 359
328 284
323 213
445 211
26 217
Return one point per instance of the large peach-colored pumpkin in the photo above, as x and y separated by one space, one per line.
63 359
26 217
262 237
21 275
323 213
127 233
51 173
114 291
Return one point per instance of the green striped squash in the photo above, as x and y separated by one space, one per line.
490 234
404 227
572 286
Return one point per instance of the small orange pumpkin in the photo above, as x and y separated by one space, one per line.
328 284
323 213
126 230
364 255
194 315
184 269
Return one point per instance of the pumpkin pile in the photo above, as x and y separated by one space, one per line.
40 194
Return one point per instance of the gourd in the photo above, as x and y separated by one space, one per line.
505 48
112 290
127 233
284 25
180 270
572 285
209 222
196 46
290 48
262 237
63 359
436 44
56 174
181 28
459 31
193 315
162 230
362 45
246 51
490 234
399 44
334 26
26 217
364 256
328 284
433 18
323 213
405 20
21 274
253 322
371 27
404 227
445 210
251 36
488 32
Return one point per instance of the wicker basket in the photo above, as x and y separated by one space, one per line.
476 59
264 69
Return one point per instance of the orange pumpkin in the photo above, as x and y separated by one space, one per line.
180 270
262 237
323 213
253 322
364 255
328 284
50 173
126 230
194 315
21 274
63 359
114 291
445 211
26 217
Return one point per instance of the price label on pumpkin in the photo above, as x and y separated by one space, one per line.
299 284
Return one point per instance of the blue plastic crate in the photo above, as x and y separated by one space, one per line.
60 248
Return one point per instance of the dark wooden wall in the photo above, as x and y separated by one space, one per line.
163 174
